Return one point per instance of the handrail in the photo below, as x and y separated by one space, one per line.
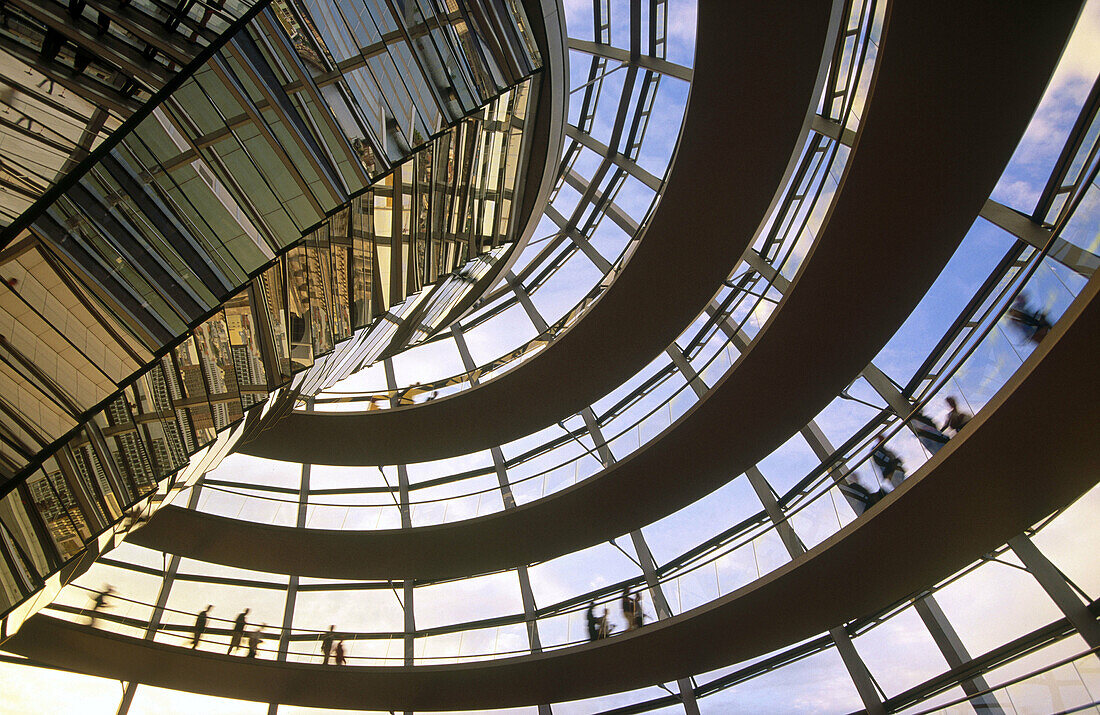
437 430
724 629
800 498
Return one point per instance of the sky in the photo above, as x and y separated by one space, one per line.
899 653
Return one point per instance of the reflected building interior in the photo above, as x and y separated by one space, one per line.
238 234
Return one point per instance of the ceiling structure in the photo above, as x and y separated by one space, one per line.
660 364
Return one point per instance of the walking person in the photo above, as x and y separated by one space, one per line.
99 602
629 607
639 614
339 657
853 487
239 624
605 625
1032 325
890 468
927 433
956 419
326 643
254 639
200 625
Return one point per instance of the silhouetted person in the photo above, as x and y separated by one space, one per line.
1031 324
863 496
639 614
605 625
200 625
927 433
238 630
890 468
254 639
593 622
340 658
99 601
326 643
629 608
956 419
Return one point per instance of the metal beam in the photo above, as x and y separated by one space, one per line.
833 130
954 652
1054 583
645 560
681 362
621 160
645 62
86 35
1034 234
528 305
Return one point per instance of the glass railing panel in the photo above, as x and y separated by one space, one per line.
266 606
577 574
467 600
788 463
997 587
701 520
900 652
469 646
800 684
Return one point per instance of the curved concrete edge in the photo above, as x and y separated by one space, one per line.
1032 451
758 67
943 74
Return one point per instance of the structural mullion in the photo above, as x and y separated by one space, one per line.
935 620
645 558
582 242
409 637
1038 236
823 449
761 265
528 305
1057 587
292 587
833 130
955 653
767 497
681 362
737 337
621 218
468 363
158 610
857 669
621 160
653 64
624 220
527 595
660 605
